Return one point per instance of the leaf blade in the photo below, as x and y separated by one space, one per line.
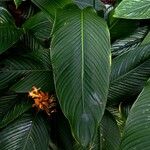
74 91
135 9
28 132
136 133
9 33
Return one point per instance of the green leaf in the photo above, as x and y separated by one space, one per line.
80 52
23 72
108 136
133 9
26 133
17 2
131 42
120 28
137 130
29 42
146 40
9 33
129 73
97 4
50 6
39 26
14 113
6 102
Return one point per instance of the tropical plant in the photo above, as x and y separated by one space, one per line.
74 75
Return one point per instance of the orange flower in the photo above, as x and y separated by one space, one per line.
42 100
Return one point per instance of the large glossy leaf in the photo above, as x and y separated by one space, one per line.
26 133
129 73
26 71
133 9
50 6
80 52
108 136
137 129
9 34
14 113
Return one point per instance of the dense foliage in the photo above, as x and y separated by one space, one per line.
75 75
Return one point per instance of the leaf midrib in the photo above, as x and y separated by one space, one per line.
82 60
28 135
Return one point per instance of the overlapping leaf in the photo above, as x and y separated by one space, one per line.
98 5
14 113
129 43
50 6
9 33
133 9
137 129
26 133
108 136
39 26
6 102
26 71
129 73
80 52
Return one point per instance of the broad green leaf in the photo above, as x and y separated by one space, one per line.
50 6
26 133
6 102
39 26
80 53
14 113
133 9
108 136
26 71
137 130
131 42
129 73
17 2
9 33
